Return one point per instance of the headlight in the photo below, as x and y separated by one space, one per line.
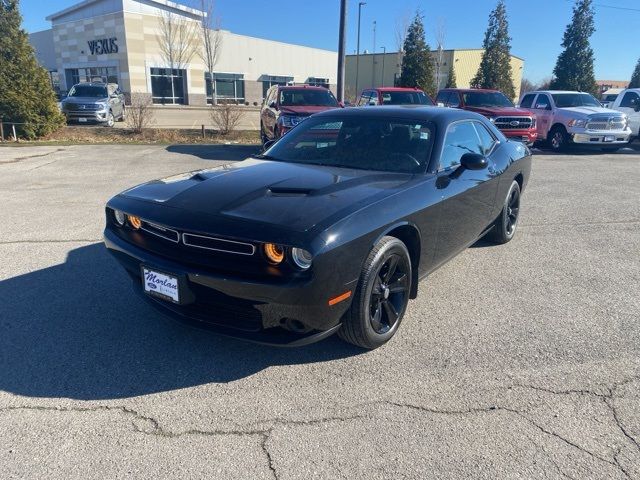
119 216
578 123
103 106
290 121
492 119
274 253
301 258
533 123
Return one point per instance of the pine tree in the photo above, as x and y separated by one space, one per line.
417 64
495 66
635 78
574 67
452 82
26 95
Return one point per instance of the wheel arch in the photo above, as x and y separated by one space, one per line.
409 234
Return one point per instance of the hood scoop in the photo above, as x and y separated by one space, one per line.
289 191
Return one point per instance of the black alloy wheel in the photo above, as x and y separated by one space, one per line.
558 139
506 224
382 296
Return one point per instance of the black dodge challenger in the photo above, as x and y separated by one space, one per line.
329 230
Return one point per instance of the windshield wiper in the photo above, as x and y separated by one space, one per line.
261 156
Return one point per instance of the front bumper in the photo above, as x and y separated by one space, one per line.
600 138
528 137
87 116
255 311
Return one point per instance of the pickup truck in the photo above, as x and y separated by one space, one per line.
514 123
628 102
566 118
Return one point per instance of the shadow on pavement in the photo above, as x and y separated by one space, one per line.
216 152
77 330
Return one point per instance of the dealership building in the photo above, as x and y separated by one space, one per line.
123 42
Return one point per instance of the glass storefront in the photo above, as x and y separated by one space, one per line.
91 74
168 86
270 80
318 82
224 88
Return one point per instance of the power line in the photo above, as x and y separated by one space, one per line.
614 7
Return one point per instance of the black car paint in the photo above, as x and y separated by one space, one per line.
337 214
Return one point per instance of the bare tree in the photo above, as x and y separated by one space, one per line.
401 29
211 38
140 114
177 39
226 117
441 34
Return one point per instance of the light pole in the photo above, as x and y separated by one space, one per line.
342 49
373 59
384 54
360 4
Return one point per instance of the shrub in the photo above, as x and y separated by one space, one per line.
226 117
140 114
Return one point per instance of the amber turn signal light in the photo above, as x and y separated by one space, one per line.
339 298
274 253
134 221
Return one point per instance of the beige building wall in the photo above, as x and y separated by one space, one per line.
371 74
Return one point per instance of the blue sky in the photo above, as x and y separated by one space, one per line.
536 27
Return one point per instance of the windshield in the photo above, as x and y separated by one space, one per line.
88 91
385 144
405 98
299 98
486 99
568 100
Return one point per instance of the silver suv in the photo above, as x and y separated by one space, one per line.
94 103
576 117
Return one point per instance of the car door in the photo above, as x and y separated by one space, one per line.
467 196
269 114
543 108
629 105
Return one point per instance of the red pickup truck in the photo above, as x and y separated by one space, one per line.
514 122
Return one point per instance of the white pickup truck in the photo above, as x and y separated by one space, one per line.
628 102
576 117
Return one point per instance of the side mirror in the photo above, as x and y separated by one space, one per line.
439 104
272 104
474 161
267 145
341 104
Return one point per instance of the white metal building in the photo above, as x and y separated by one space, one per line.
120 41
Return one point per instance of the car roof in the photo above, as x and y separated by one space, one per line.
396 89
438 115
300 87
554 91
464 90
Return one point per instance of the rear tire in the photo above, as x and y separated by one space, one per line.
123 115
505 226
381 297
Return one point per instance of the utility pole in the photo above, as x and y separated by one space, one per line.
360 4
373 60
384 54
342 49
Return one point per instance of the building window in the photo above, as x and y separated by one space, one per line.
92 74
318 82
224 88
270 80
167 86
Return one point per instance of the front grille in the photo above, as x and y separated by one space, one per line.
513 123
218 244
160 231
82 107
606 123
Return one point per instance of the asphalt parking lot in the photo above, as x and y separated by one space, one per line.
518 361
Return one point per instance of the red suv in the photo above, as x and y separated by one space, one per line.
515 123
284 107
393 96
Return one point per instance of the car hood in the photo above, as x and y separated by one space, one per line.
292 196
587 110
304 110
85 99
497 111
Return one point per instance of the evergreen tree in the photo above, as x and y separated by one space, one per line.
635 78
452 82
417 64
495 66
574 67
26 95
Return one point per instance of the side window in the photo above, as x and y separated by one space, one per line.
461 138
487 140
527 100
542 102
454 100
373 98
364 100
630 100
442 97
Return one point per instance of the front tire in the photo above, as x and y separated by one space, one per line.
111 121
558 139
381 297
506 224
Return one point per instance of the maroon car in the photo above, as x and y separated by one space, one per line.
515 123
286 106
393 96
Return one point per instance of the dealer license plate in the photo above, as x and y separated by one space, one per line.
160 285
82 120
609 138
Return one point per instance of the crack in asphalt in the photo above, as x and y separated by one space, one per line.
28 157
550 458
